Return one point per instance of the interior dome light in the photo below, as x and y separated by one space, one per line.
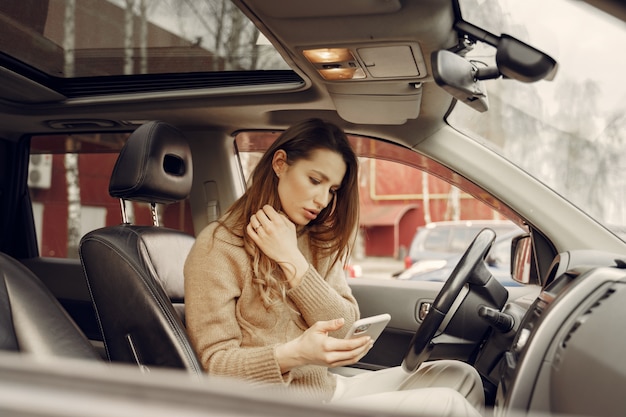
335 63
328 55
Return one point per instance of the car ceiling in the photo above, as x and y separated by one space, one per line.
391 108
423 25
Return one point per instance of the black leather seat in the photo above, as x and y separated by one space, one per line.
33 321
135 273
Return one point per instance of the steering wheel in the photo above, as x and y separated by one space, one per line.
471 261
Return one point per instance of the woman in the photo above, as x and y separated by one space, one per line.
265 292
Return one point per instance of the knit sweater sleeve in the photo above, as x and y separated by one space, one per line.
213 271
325 297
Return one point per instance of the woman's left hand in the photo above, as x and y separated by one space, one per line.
275 235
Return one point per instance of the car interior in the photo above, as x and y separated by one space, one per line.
127 127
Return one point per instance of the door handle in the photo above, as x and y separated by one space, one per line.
423 308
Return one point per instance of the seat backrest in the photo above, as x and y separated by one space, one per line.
135 273
33 321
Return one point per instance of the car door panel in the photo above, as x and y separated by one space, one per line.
402 300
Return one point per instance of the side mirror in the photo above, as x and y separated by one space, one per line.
523 268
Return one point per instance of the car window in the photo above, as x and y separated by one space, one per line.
461 238
120 37
400 192
68 182
435 240
500 253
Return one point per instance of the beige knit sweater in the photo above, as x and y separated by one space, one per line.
234 334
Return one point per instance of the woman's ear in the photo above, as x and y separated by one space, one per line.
279 162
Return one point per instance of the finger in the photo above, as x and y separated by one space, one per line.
357 342
343 358
262 218
349 346
252 232
254 224
272 214
329 325
269 210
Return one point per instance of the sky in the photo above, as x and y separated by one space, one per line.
586 42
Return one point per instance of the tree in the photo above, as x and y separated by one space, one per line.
219 27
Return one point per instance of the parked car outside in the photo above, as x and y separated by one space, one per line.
438 240
437 266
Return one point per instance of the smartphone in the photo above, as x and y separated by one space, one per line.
370 326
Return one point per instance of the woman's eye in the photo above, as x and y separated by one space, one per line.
314 181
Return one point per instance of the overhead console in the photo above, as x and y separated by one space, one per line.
372 75
350 70
567 357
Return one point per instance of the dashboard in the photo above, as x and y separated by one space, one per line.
567 355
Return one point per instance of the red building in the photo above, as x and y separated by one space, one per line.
396 199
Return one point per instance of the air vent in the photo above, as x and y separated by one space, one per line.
585 315
587 371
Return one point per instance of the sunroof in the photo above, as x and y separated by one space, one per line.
95 38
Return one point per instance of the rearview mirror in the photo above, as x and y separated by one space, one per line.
458 77
514 59
522 62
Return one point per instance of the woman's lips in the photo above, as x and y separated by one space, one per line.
310 214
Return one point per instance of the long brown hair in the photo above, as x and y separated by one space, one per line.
333 230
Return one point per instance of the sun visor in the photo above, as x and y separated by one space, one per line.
378 109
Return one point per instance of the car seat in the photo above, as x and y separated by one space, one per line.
135 273
33 321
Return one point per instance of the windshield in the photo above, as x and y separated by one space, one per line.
569 132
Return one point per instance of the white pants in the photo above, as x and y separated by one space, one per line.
439 388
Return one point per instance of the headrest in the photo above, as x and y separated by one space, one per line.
154 166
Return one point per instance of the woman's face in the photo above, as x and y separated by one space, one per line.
307 186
